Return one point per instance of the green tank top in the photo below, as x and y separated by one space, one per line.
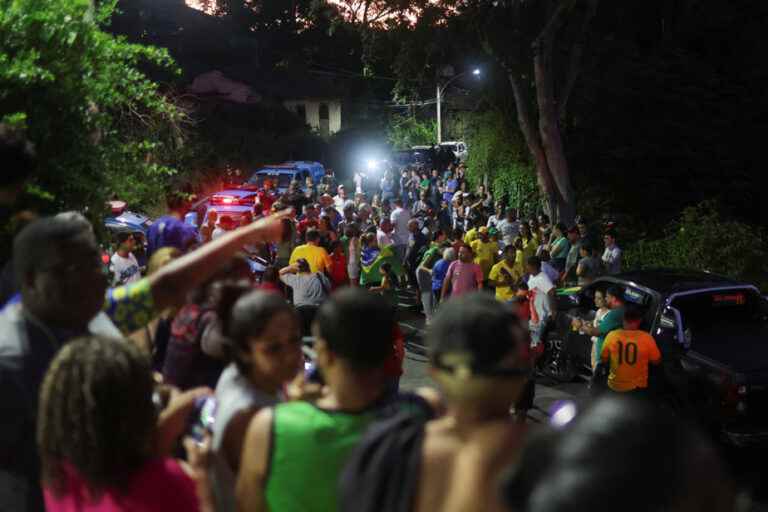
309 449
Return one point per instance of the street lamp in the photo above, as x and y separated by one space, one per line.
440 91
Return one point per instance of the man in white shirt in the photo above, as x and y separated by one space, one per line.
498 216
340 198
543 298
612 255
384 233
358 179
509 227
123 264
399 218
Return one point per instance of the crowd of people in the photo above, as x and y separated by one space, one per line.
105 375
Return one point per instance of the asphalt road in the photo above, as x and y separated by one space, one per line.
416 373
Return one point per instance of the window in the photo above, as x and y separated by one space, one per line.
323 112
723 317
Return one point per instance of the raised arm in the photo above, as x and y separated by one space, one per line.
171 284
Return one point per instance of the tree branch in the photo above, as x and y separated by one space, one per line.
547 34
574 67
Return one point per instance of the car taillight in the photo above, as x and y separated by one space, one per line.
224 200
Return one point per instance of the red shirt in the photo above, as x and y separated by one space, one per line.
307 223
268 286
339 276
264 201
160 485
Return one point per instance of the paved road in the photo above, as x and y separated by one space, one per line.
417 375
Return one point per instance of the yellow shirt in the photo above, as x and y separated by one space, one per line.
317 257
504 293
629 353
470 236
529 248
485 254
520 261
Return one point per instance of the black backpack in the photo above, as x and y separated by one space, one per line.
382 472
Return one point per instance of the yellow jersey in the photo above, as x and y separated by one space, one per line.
629 353
317 257
504 293
529 248
470 236
485 254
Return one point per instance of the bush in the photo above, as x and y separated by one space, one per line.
701 239
498 152
99 124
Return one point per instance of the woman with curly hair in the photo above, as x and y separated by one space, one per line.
103 445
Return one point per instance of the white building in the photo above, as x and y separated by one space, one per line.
322 115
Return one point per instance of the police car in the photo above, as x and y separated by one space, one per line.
281 175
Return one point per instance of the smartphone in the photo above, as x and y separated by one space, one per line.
312 373
202 418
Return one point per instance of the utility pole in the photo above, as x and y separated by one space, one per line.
440 91
439 115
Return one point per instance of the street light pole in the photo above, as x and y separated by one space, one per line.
439 116
440 91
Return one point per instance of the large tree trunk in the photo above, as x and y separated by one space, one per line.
539 112
549 129
533 141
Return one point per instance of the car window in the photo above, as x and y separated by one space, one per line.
710 317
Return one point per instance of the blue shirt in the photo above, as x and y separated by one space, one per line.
439 270
451 186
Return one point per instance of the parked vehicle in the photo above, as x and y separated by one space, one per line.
235 203
458 148
127 221
418 157
712 332
284 173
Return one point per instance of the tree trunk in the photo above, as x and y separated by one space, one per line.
549 129
532 140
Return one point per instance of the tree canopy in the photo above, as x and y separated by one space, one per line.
99 124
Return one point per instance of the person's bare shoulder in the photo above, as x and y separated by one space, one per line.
488 451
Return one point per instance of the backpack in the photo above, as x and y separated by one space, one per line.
382 472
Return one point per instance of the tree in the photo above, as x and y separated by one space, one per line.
99 124
539 45
498 154
406 131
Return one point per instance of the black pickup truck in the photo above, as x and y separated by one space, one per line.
713 335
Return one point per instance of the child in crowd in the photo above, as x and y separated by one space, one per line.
339 275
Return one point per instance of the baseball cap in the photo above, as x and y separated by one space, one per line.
493 231
482 229
475 335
